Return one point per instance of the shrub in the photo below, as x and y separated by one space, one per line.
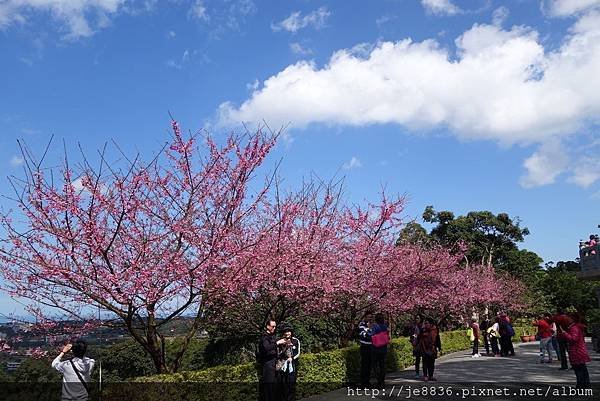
318 373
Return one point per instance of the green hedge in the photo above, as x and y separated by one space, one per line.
317 373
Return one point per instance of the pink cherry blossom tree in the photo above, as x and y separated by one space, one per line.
140 241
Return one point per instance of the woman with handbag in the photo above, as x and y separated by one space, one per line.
429 345
287 364
380 338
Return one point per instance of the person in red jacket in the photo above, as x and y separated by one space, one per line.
429 346
545 334
573 334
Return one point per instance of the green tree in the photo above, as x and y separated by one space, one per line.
565 291
414 234
3 376
121 361
36 371
520 263
489 236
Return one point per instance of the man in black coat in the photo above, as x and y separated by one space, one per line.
267 357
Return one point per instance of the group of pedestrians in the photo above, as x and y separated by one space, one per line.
374 338
278 358
560 334
587 248
497 336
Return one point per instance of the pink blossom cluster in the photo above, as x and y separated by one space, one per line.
193 231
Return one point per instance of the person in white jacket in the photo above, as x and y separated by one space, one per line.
76 372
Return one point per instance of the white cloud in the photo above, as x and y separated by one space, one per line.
500 15
199 11
440 7
173 64
544 165
220 17
16 161
185 59
253 86
296 21
501 85
79 18
30 131
297 48
587 172
384 20
353 163
565 8
171 34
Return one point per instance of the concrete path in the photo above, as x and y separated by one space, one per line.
458 371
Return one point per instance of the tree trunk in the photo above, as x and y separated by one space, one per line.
155 346
347 336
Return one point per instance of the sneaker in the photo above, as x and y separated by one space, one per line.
433 379
417 376
425 378
474 356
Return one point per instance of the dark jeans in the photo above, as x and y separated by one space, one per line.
562 350
379 365
494 342
366 354
476 346
417 363
428 366
486 343
506 346
582 375
287 385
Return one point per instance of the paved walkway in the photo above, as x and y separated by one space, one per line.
459 371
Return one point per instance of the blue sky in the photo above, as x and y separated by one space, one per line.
464 105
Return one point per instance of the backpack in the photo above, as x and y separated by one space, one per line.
509 330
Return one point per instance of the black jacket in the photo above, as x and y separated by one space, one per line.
267 349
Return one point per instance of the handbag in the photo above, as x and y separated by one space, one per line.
380 339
